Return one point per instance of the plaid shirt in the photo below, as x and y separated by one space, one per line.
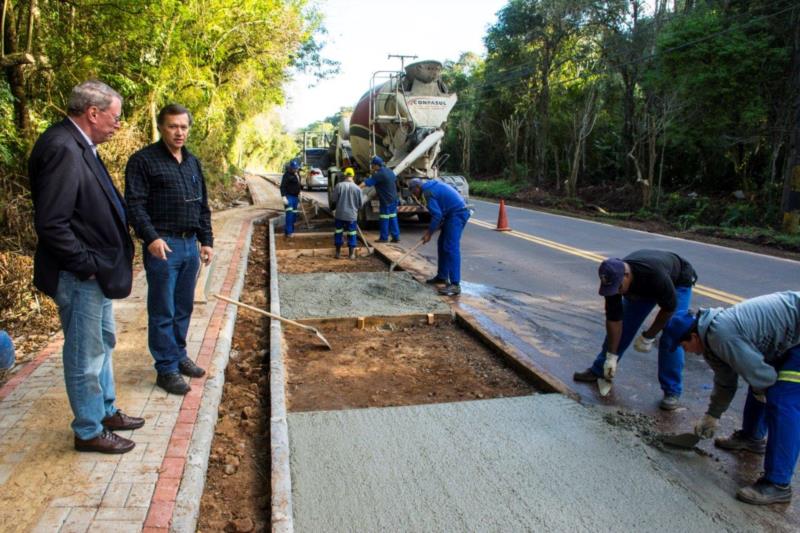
165 196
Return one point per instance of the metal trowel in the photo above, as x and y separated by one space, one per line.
687 441
604 386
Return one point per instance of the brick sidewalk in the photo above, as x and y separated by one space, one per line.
45 485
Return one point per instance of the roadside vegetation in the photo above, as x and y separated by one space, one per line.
226 61
681 113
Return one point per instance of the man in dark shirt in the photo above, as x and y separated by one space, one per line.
632 287
290 192
385 183
168 208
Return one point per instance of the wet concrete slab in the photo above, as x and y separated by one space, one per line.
536 463
331 295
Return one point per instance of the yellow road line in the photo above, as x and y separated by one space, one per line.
716 294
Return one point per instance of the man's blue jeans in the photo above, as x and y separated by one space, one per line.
87 320
170 299
670 364
388 221
449 246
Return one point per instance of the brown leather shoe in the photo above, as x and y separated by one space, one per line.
119 421
106 442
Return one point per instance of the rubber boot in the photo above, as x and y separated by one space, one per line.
338 252
352 254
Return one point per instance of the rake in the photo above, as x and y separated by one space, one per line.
276 317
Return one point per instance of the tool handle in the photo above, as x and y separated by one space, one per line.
361 234
395 263
258 310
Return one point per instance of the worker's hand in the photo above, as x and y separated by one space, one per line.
610 366
426 237
759 395
706 426
644 344
206 253
158 249
285 200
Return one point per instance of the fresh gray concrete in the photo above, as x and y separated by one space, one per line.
327 295
536 463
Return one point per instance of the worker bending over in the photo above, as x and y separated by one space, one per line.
346 199
632 287
290 191
450 214
385 183
759 340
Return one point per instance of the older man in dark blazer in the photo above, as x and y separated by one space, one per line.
84 258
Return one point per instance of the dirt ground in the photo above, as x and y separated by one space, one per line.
392 365
306 264
236 496
304 242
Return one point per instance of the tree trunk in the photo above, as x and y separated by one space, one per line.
15 75
791 184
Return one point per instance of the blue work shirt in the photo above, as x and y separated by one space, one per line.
443 201
385 182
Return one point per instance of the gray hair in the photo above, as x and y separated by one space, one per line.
91 93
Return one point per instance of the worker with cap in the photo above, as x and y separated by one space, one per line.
290 192
385 183
449 214
632 287
759 340
346 198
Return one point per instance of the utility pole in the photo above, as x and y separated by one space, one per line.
402 59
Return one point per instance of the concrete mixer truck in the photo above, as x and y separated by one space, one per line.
401 119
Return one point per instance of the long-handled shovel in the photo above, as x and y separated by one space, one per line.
394 264
369 249
276 317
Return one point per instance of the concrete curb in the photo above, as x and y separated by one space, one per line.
187 505
282 519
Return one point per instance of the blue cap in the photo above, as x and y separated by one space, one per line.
611 272
7 355
377 161
294 164
676 329
415 183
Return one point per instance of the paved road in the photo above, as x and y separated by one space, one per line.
536 288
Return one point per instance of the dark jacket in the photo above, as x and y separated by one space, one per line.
290 184
78 222
385 183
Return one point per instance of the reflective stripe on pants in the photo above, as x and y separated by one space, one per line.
291 213
338 235
388 221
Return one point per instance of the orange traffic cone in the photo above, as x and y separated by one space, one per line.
502 219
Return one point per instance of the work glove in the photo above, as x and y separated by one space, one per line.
610 366
285 200
706 426
643 344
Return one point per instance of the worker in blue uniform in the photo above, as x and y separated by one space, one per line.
449 214
758 340
290 192
385 183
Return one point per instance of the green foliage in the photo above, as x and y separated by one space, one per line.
225 60
691 97
500 188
